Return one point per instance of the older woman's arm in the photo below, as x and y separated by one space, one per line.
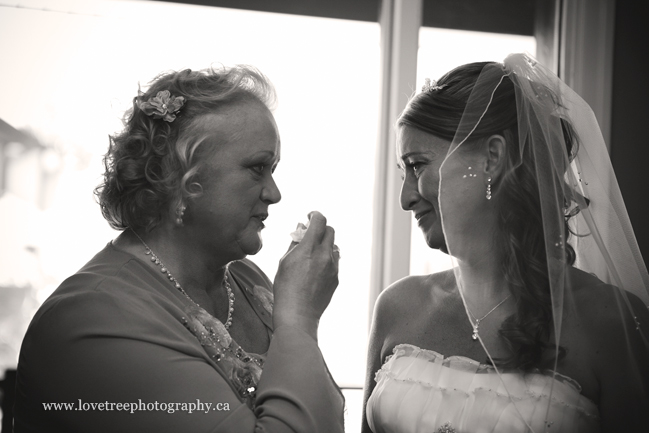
95 350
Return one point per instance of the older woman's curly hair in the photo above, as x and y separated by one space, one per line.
152 164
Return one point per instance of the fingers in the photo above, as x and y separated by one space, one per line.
316 230
328 241
328 238
290 247
317 233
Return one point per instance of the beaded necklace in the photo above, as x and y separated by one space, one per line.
164 270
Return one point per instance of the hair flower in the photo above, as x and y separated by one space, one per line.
162 106
431 86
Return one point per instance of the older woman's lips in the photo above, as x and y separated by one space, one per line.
260 218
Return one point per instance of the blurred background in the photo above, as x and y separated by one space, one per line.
343 72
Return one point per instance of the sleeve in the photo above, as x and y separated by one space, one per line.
114 374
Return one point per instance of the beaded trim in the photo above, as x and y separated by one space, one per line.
175 282
385 372
241 368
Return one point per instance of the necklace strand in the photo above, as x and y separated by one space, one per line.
175 282
475 326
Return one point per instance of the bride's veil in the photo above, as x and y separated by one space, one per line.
562 167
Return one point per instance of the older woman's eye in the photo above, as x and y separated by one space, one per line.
258 169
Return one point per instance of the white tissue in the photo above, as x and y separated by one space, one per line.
299 232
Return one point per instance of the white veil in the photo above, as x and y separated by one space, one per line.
562 167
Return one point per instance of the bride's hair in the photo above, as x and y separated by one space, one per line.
520 237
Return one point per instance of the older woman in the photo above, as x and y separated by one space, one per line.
170 328
533 330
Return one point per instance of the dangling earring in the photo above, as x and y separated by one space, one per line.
488 188
180 212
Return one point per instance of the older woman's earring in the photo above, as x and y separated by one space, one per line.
180 212
488 188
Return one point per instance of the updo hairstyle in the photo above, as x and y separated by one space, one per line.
151 166
520 237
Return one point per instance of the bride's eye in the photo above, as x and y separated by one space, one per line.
416 167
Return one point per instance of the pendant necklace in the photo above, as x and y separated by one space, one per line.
475 325
164 270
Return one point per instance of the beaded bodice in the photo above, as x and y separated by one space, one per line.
244 369
421 391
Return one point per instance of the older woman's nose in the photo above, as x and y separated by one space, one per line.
270 193
409 194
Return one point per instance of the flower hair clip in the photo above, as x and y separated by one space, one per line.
431 86
161 106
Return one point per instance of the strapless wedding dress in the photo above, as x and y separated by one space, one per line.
421 391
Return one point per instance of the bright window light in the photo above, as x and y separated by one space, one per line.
71 68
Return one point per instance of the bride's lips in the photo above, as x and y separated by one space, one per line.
421 214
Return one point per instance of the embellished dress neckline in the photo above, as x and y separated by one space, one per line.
242 368
422 391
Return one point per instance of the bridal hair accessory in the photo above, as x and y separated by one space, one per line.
161 106
488 188
446 428
431 86
164 270
477 321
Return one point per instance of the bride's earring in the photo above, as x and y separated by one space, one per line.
180 212
488 188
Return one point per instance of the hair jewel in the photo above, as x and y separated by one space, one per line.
530 61
431 86
161 106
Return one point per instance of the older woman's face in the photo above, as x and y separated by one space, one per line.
237 181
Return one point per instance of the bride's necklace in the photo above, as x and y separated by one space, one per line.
477 321
173 280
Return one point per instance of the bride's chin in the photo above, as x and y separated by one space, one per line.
436 242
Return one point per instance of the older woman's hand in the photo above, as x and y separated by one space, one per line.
307 278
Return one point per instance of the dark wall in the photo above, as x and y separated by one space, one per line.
499 16
630 114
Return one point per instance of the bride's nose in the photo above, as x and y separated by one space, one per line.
409 193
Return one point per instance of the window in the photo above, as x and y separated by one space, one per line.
69 82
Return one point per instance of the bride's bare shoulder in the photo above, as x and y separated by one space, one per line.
601 307
415 290
592 295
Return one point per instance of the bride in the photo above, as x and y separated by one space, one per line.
542 323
